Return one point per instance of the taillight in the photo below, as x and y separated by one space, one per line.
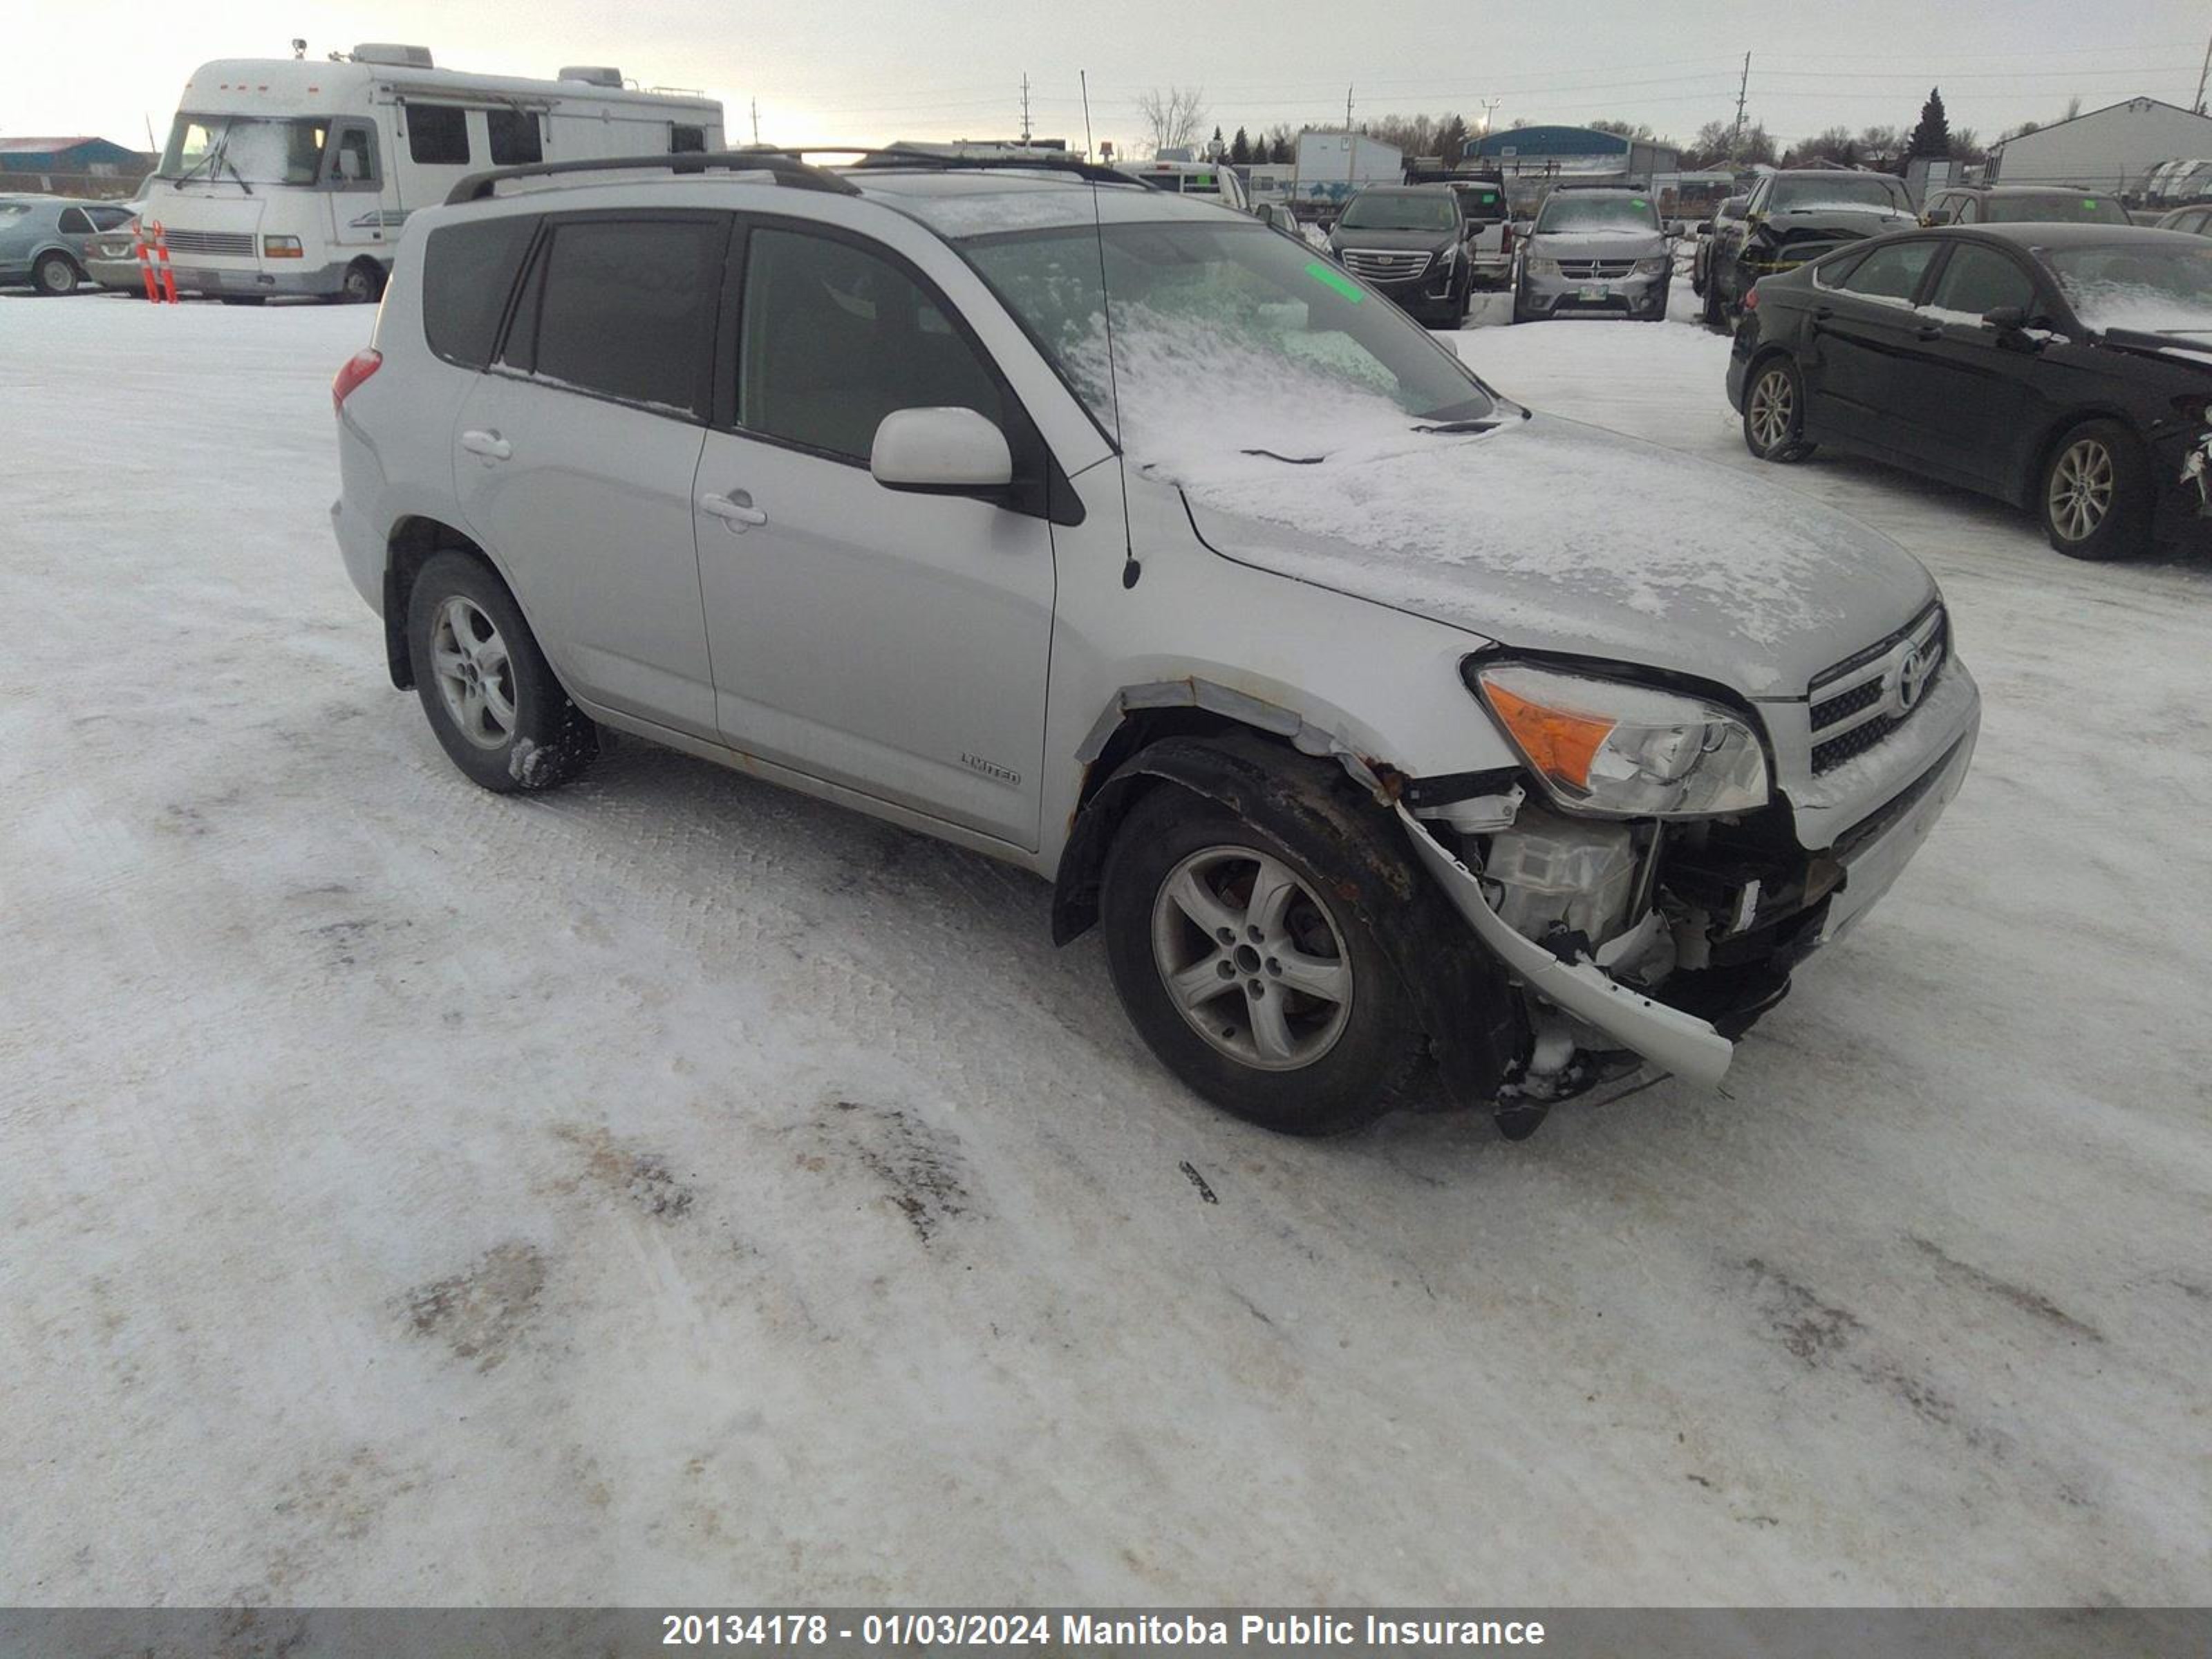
1505 242
1751 299
358 368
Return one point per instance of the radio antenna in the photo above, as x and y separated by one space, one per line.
1130 568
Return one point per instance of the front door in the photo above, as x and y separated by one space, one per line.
353 186
1972 381
891 642
573 457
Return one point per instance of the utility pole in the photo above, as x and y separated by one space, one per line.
1025 109
1742 90
756 120
2201 74
1488 105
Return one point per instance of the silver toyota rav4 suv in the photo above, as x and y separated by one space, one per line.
1405 744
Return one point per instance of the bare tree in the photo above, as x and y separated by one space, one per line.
1174 118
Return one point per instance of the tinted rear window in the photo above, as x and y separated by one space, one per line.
628 309
468 270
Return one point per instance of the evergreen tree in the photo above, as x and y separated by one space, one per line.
1933 136
1240 148
1451 139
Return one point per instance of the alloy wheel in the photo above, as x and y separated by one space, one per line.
1773 406
1252 958
474 673
2082 484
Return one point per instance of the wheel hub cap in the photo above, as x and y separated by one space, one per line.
474 674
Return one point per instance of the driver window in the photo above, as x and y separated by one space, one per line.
834 338
352 159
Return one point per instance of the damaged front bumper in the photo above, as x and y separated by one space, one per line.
1856 872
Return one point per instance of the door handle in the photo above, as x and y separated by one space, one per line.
735 509
490 445
1929 331
1821 313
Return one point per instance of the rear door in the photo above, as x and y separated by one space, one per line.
890 642
353 183
573 457
1864 335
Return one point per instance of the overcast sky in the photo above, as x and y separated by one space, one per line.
871 70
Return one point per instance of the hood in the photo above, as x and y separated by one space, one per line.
1860 221
1548 535
1597 244
1424 241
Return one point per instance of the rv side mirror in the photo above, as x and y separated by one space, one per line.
940 452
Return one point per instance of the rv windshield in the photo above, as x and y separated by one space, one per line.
1228 342
257 149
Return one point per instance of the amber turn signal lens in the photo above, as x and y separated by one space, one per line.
1559 744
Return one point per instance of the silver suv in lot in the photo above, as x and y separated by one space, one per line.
1110 534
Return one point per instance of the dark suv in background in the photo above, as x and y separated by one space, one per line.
1795 217
1409 241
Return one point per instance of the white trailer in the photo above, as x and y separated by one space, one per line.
294 176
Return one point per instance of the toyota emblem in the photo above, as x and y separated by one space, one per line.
1912 677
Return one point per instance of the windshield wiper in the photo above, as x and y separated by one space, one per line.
1449 429
223 156
1287 461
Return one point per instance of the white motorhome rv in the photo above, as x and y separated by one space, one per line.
294 176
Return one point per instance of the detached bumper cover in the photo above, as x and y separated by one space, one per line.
1682 1044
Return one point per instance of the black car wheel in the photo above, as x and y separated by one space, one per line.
2095 493
1521 313
56 273
364 282
1774 410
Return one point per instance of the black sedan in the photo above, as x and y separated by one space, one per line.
2066 368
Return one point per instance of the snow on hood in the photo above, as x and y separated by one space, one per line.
1609 237
1538 533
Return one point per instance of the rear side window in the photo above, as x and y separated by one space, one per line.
74 224
514 137
468 270
627 309
686 141
438 135
1891 271
1980 279
835 338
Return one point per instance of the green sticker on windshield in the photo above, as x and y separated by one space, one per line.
1337 280
1637 201
2089 202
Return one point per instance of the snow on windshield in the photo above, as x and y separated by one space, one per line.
2155 291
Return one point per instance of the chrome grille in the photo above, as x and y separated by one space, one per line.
1862 699
1599 270
1389 265
236 243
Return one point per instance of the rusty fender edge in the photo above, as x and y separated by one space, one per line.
1681 1043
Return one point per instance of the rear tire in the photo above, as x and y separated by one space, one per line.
1185 899
2095 494
491 697
55 274
1774 410
363 284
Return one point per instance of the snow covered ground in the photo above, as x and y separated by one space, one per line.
675 1189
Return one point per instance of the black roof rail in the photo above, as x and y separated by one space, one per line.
783 165
923 161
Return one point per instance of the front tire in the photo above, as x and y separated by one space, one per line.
55 274
1774 412
2095 494
1246 974
491 697
1521 313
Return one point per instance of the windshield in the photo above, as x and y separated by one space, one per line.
1569 211
1375 210
2055 210
14 210
2157 291
258 149
1230 346
1848 195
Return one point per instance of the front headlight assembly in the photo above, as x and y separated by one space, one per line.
1543 267
1658 265
1624 751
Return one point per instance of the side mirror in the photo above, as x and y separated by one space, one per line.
940 452
1705 227
1940 217
2005 319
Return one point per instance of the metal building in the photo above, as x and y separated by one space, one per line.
2114 148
